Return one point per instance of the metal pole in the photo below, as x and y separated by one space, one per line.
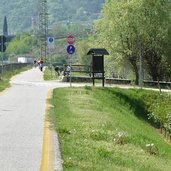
50 56
51 68
43 28
70 70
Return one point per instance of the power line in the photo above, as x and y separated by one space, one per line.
43 28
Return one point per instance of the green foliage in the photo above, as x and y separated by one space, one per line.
133 27
151 149
106 129
67 28
159 109
19 13
58 59
50 74
22 44
77 10
5 26
83 48
5 77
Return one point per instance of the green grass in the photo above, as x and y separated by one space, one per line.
50 74
81 74
5 77
105 129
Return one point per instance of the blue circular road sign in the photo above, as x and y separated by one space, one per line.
70 49
50 39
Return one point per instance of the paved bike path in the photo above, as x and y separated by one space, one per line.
22 115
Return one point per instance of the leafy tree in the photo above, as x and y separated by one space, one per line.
5 27
22 44
138 26
59 59
83 48
155 36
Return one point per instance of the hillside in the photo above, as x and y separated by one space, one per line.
19 13
105 129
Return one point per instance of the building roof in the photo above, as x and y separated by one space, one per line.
98 51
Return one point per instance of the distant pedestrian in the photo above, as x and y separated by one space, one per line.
41 64
68 70
57 69
35 63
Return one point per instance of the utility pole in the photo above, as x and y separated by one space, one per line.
43 28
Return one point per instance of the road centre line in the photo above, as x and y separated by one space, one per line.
48 153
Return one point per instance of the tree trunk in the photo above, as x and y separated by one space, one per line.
135 68
153 61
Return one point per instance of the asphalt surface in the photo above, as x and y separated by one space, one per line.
22 114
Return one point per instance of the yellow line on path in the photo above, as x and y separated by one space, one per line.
48 154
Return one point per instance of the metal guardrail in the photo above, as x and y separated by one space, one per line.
162 84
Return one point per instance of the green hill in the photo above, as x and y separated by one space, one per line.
106 129
19 13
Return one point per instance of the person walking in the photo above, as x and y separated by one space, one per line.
41 62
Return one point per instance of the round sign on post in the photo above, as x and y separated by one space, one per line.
50 40
70 39
70 49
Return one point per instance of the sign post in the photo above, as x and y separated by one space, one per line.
51 42
70 39
71 50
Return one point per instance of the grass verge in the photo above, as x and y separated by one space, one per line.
50 74
5 77
105 129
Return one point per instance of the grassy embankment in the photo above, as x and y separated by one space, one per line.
5 77
50 74
105 129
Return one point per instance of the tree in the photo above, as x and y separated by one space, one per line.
22 44
131 27
5 27
83 48
156 38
